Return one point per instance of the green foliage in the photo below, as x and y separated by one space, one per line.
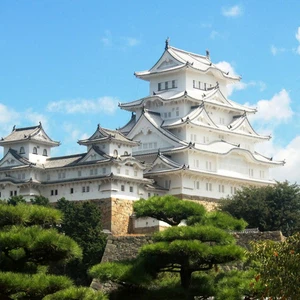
203 233
278 267
168 209
183 250
27 286
268 208
235 284
77 293
15 200
40 200
224 221
124 272
82 222
30 244
27 215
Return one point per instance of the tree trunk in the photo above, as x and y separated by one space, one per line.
185 278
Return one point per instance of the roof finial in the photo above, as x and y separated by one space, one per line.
167 43
14 128
207 54
98 126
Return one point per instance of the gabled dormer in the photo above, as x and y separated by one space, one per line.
181 70
111 142
31 143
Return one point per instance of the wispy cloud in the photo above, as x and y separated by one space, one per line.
108 40
106 105
275 50
214 34
131 42
233 11
298 39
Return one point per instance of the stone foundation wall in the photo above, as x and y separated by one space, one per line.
116 215
120 216
127 247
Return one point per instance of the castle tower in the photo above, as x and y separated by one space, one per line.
198 143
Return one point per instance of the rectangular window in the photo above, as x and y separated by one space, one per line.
118 170
177 111
221 188
103 171
262 174
197 185
208 165
52 192
71 190
122 188
15 193
204 86
11 193
79 173
233 189
83 189
173 84
166 85
91 172
194 83
209 186
131 189
56 192
87 189
250 172
159 86
166 115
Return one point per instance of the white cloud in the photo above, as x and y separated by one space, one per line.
291 155
34 118
7 115
233 11
274 111
227 67
298 34
107 105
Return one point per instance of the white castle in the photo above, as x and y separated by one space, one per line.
186 138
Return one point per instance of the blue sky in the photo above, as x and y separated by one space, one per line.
68 63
